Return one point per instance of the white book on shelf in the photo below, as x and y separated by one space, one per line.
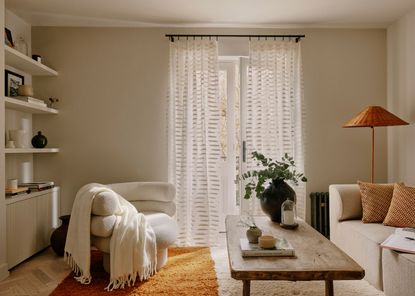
31 100
282 249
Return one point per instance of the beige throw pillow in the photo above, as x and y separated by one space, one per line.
376 199
402 209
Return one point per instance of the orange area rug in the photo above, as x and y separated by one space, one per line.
189 271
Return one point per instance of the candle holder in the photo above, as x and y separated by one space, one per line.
288 215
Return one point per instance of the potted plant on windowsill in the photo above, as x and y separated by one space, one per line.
277 172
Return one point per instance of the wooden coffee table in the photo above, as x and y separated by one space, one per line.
317 258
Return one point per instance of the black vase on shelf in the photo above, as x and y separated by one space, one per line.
58 237
273 197
39 141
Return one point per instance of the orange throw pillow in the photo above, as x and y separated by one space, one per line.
376 199
402 209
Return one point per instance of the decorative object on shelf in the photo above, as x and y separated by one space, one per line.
12 184
39 140
288 215
19 138
25 90
374 116
37 58
21 46
58 237
10 144
253 233
278 190
52 101
8 38
13 80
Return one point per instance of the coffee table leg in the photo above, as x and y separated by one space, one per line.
246 288
329 288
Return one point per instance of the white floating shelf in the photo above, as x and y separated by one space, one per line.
23 196
22 62
19 105
31 150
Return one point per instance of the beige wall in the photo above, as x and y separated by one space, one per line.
401 98
113 83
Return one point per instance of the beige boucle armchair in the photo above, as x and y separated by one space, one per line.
154 199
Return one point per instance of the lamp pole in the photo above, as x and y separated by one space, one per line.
373 154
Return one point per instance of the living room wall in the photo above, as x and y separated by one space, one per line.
401 98
112 87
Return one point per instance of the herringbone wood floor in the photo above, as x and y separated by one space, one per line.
37 276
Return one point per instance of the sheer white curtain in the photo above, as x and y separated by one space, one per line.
193 135
274 123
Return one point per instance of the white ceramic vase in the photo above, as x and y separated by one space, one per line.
19 138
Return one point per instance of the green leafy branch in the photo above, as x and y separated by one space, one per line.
274 170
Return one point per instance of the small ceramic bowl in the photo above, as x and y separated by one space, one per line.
267 241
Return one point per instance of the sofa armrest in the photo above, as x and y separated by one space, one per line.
345 202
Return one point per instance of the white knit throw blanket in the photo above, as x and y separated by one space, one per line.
132 245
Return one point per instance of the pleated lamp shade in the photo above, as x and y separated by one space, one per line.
374 116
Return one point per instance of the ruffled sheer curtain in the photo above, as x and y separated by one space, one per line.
275 109
193 138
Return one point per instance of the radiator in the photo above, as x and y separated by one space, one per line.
320 218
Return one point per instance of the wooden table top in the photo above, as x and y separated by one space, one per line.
317 258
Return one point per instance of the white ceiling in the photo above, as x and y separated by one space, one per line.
212 13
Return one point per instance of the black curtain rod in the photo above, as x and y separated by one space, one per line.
172 36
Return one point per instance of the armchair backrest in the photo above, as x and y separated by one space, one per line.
148 196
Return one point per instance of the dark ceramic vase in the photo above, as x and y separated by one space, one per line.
39 141
274 195
58 238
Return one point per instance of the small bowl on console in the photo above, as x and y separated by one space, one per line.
267 241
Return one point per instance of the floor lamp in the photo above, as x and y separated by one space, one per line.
374 116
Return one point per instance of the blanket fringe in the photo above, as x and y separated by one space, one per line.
129 280
85 280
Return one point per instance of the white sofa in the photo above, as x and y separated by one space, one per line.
387 270
154 199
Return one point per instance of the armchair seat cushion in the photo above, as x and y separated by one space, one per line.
163 225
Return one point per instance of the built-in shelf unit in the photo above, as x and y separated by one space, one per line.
30 217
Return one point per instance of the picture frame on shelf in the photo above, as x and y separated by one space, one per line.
12 82
8 38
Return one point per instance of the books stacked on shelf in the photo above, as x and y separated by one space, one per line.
282 249
32 101
17 191
38 186
403 240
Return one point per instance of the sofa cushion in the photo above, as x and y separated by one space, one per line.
398 273
102 225
402 209
376 199
105 203
362 242
375 232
